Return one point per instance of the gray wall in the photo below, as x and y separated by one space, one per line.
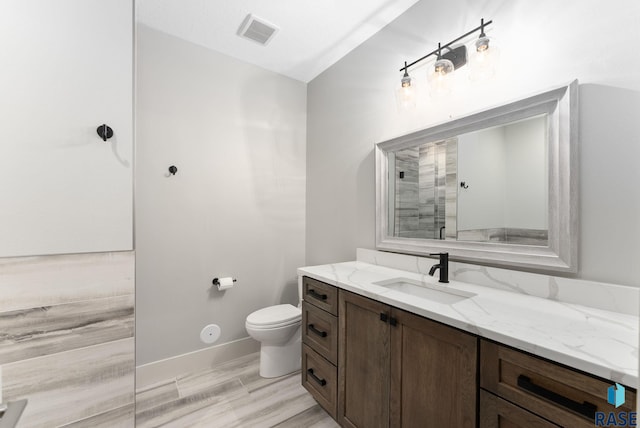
236 206
544 44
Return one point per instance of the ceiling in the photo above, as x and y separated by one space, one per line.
312 35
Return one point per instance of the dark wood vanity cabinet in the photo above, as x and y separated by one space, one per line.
521 390
320 342
399 369
370 365
363 363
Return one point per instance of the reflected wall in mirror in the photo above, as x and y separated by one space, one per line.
496 186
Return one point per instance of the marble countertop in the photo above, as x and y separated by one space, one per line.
596 341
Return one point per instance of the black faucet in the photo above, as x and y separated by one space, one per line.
443 266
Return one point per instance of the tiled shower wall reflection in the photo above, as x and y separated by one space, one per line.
66 338
406 206
425 195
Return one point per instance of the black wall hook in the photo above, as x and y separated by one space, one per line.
173 169
464 185
105 132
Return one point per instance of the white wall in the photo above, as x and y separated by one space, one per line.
236 206
527 183
66 67
546 43
482 161
506 170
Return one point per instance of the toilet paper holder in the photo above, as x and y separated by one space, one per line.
216 281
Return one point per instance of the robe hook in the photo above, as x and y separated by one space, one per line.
105 132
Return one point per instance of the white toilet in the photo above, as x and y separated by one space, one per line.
277 328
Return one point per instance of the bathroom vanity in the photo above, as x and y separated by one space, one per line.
320 342
482 358
400 369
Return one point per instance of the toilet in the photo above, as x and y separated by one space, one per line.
277 328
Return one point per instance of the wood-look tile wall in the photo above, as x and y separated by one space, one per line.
67 338
425 198
406 203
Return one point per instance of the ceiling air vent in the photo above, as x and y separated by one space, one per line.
257 29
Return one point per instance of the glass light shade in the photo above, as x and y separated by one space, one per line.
440 78
484 60
406 94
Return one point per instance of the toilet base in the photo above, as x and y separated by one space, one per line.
280 360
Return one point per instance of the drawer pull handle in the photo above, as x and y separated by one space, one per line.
317 295
322 382
586 409
316 331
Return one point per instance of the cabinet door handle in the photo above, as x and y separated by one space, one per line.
317 295
393 321
384 317
322 382
586 409
316 331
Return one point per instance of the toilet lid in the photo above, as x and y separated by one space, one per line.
278 315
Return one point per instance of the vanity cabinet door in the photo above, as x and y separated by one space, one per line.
363 362
433 373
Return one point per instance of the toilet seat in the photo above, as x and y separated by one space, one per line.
274 317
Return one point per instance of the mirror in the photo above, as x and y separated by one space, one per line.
488 185
496 187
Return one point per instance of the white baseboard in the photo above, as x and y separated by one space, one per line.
203 359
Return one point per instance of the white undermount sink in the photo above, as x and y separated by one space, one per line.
431 292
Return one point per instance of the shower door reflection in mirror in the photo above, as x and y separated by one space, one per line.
489 185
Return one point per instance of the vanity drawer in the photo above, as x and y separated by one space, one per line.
320 294
320 331
320 378
498 413
559 394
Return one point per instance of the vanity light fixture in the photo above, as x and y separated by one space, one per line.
406 80
439 77
484 60
406 93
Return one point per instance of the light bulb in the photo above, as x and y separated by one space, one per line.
440 78
406 93
406 97
484 60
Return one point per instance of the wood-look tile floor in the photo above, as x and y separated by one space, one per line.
231 395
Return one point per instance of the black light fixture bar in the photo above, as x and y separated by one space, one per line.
480 27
